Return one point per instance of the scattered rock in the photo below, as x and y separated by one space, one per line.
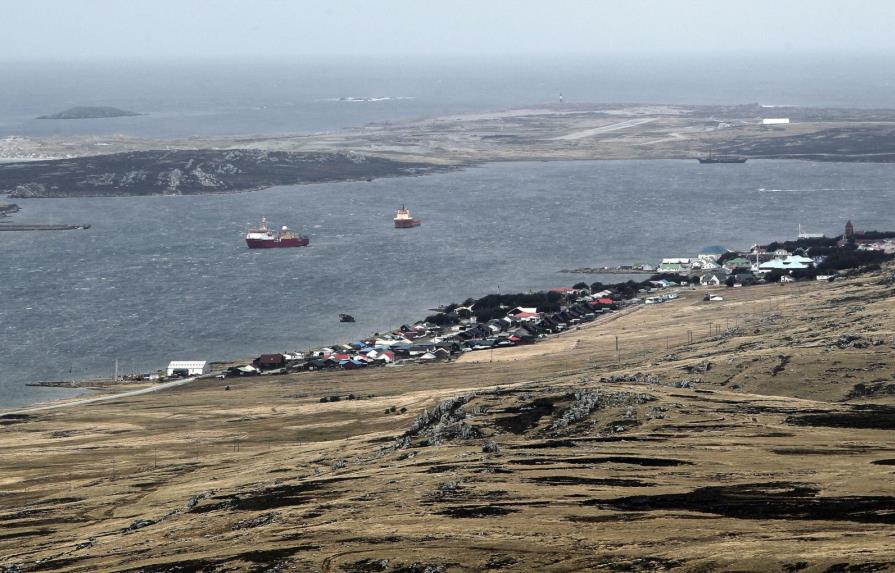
490 447
255 521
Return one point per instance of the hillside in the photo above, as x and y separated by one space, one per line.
766 444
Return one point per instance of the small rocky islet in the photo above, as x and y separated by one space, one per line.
90 112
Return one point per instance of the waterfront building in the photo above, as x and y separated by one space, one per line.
188 367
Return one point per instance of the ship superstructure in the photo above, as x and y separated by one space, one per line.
263 238
403 219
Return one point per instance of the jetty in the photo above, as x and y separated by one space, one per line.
611 271
41 227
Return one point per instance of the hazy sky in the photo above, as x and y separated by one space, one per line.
76 29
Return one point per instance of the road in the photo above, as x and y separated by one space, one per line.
97 399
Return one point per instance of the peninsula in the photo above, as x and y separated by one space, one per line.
121 165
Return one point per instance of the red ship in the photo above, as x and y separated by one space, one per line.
264 238
403 220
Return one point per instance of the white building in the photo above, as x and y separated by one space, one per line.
775 121
192 367
789 263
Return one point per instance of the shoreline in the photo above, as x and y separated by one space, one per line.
425 170
579 439
131 165
448 335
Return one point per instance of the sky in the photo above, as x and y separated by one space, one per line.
164 29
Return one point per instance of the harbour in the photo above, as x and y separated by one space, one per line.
181 283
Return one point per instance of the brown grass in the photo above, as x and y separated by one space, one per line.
259 461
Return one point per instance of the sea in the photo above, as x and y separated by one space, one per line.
162 278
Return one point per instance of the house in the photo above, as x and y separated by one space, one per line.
441 354
525 316
744 278
712 253
188 368
246 370
674 264
713 279
787 279
789 263
269 361
522 309
737 263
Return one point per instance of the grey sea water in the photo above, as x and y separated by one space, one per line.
161 278
193 97
169 277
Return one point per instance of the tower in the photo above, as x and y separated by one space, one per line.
849 231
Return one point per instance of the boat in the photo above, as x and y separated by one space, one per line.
712 158
346 318
722 159
264 238
403 219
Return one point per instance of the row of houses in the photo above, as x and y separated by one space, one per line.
427 342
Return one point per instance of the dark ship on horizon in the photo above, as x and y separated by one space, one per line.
712 158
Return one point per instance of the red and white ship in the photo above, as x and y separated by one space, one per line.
264 238
403 220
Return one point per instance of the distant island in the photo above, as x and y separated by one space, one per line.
90 112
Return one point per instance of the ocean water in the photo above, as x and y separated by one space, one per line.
162 278
191 98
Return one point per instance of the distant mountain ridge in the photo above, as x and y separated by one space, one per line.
90 112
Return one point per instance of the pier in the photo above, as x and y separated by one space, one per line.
39 227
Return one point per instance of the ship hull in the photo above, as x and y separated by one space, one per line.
277 243
407 224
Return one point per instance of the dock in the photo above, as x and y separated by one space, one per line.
38 227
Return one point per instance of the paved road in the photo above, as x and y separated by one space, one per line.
97 399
